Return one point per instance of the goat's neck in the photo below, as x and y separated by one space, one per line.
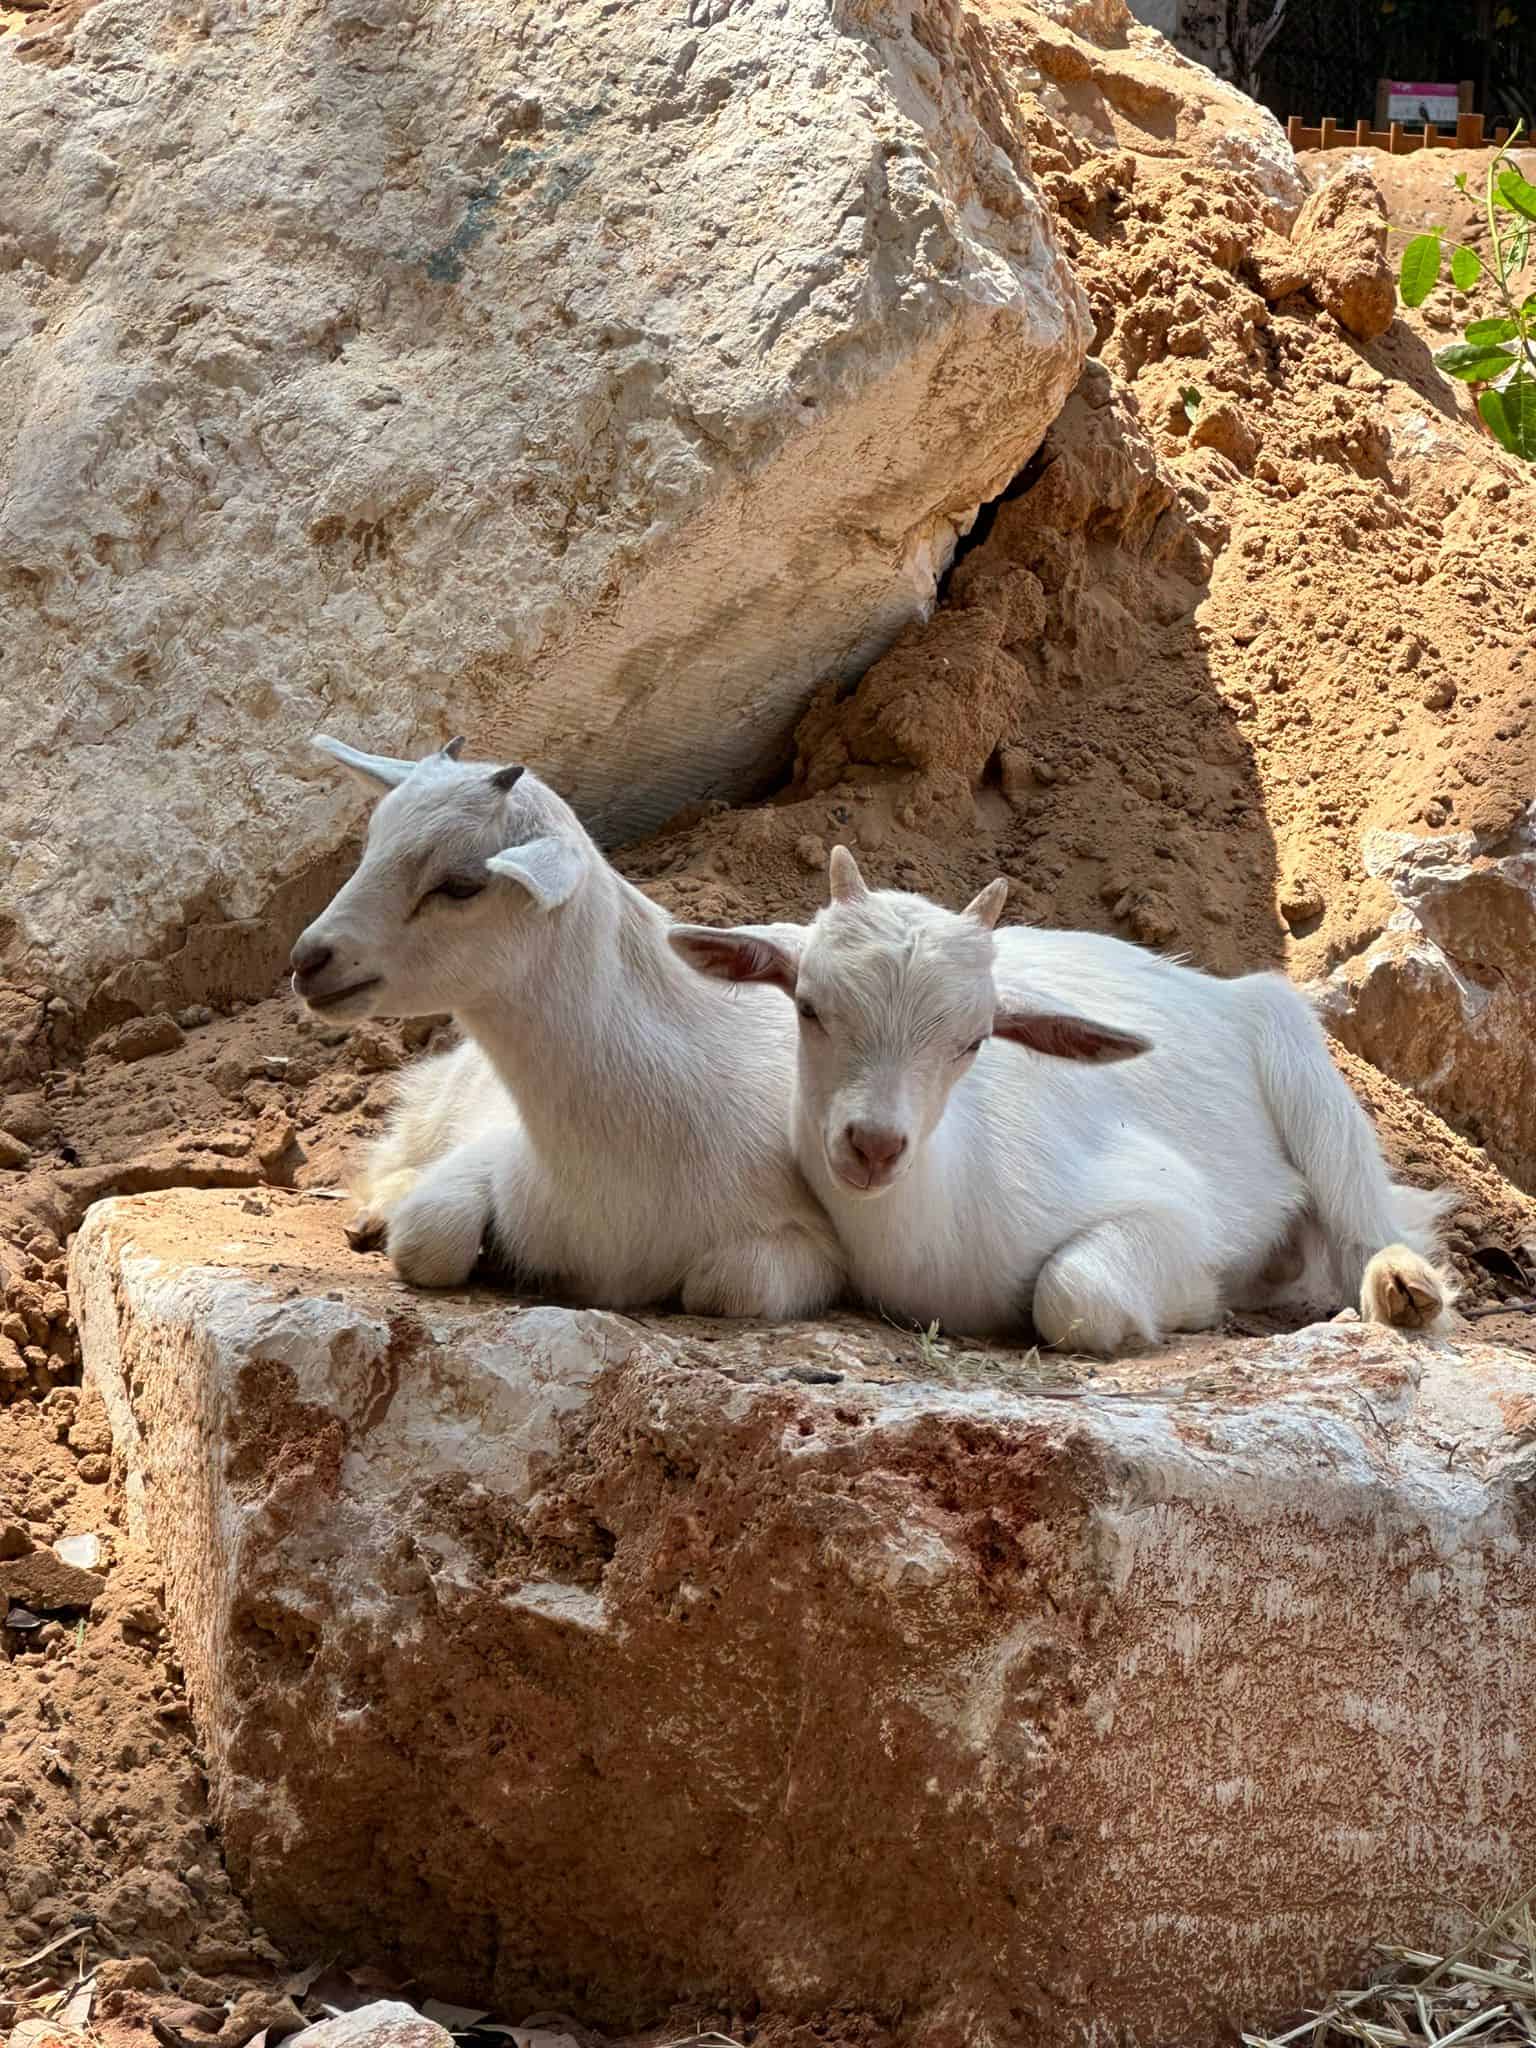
584 1041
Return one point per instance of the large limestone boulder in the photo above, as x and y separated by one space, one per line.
1445 1000
597 1663
593 380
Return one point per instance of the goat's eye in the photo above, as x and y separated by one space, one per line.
975 1046
458 888
808 1012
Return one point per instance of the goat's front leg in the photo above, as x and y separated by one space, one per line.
435 1231
1127 1280
780 1275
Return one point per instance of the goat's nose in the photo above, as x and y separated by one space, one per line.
874 1146
308 957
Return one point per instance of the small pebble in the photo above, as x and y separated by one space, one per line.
374 1053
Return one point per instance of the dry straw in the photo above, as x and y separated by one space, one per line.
1482 1994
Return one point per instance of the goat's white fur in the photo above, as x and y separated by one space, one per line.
1220 1161
614 1123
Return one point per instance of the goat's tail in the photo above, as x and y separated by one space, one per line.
1384 1238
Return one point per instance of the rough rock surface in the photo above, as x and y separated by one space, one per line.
384 2024
618 1660
512 371
1445 1000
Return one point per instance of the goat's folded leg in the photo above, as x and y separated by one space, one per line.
779 1275
1126 1281
436 1230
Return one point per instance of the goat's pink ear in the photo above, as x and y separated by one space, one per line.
1067 1037
843 878
987 908
745 954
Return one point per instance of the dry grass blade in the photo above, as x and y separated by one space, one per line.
38 1955
1480 1995
1474 2025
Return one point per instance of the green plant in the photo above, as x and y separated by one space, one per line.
1498 353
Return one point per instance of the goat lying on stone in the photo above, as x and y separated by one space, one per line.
1194 1151
615 1125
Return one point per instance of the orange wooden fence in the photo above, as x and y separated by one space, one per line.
1396 139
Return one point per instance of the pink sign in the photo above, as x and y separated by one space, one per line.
1415 103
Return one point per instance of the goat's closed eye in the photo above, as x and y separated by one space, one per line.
457 888
809 1012
975 1045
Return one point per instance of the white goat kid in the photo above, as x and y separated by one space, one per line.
615 1125
1197 1152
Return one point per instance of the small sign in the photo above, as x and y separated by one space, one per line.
1414 105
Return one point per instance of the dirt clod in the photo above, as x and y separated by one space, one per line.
141 1036
13 1153
1341 243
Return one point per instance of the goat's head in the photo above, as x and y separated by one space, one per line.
896 999
462 858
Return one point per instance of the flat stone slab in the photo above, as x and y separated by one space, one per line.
597 1663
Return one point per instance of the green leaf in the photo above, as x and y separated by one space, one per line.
1460 181
1482 332
1520 414
1491 410
1191 397
1420 270
1517 193
1510 416
1466 269
1473 365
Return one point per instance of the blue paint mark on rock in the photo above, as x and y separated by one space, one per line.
446 265
515 172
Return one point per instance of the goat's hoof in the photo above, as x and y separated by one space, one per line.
366 1231
1403 1290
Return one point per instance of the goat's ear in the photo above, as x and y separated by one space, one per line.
843 878
378 770
549 869
987 908
508 777
453 749
762 953
1065 1036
